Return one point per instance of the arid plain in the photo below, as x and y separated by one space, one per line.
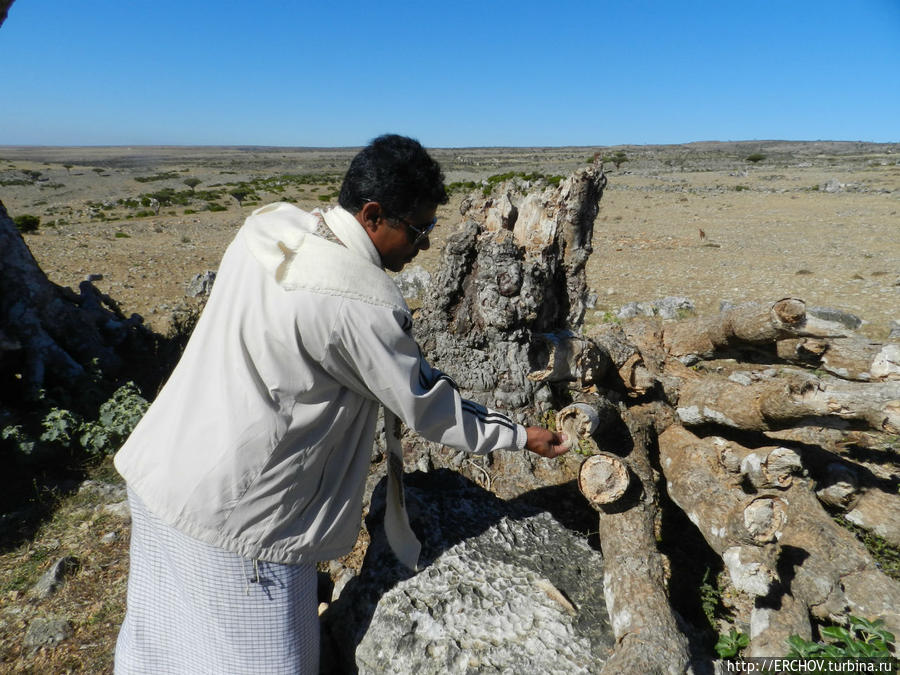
817 220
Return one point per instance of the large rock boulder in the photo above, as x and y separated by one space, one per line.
494 593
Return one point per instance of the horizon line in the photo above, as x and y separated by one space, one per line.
433 147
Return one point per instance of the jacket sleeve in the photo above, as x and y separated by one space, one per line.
372 348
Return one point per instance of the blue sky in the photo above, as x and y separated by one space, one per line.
338 73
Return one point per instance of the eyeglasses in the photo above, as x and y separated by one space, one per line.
420 232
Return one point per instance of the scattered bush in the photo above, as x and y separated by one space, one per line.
60 426
169 175
863 639
213 206
461 186
756 157
730 644
118 417
240 194
618 158
27 223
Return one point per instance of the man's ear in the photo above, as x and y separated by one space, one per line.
369 215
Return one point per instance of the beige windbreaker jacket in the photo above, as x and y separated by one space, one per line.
261 439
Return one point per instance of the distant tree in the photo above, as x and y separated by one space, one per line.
68 167
240 194
192 182
618 158
98 170
27 223
33 175
755 157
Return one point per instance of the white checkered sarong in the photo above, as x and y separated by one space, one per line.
195 608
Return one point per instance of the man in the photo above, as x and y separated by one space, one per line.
251 463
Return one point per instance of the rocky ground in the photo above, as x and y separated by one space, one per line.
817 221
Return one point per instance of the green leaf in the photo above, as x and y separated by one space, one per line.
837 633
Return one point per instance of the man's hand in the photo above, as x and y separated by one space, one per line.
546 443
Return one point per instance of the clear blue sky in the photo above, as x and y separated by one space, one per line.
482 73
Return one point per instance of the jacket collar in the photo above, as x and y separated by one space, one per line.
352 235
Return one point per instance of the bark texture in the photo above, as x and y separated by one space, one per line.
739 416
50 335
509 292
636 576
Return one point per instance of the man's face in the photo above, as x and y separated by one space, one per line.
394 238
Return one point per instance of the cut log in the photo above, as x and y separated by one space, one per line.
879 512
840 487
648 639
832 571
822 565
853 358
570 358
869 449
751 323
768 467
625 358
790 398
603 479
706 492
772 622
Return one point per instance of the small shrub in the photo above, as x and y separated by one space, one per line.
169 175
60 426
144 214
20 440
618 158
756 157
118 417
240 194
212 206
863 639
27 223
710 598
460 186
122 235
730 644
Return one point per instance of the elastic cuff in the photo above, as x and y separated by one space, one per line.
521 437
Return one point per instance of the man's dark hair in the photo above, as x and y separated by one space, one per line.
396 172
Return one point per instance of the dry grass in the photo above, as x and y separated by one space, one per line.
92 597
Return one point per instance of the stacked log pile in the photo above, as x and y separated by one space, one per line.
759 423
